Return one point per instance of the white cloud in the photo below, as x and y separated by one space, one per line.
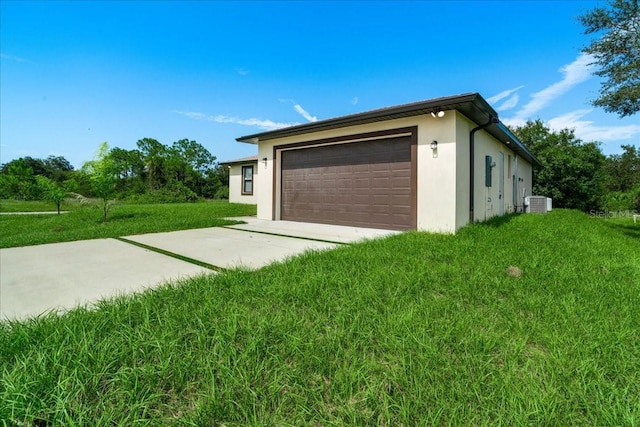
509 103
263 124
259 123
503 95
574 73
192 114
304 113
588 131
15 58
242 71
514 123
298 108
354 100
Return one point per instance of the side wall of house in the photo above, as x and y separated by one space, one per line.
524 182
507 173
463 127
235 184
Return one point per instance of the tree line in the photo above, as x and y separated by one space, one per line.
153 172
577 175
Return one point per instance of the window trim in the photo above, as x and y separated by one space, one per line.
244 181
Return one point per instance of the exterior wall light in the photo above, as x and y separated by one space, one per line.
264 160
434 145
438 114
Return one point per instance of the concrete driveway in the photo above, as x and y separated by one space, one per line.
60 276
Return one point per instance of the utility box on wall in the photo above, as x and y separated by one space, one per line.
488 165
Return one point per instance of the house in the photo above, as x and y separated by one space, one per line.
242 179
432 165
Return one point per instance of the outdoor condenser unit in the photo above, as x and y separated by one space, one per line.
537 204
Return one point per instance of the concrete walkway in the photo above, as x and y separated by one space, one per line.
60 276
33 213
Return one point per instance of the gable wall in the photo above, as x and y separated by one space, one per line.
235 184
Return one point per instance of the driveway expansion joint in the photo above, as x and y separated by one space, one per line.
173 255
311 239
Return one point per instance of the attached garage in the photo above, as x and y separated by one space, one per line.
365 184
431 165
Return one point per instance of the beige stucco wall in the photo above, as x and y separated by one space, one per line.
487 201
525 171
437 174
235 184
442 174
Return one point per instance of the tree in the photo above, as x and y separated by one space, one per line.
52 191
623 180
572 172
623 170
195 163
129 166
18 177
17 180
617 54
57 168
217 186
103 177
153 154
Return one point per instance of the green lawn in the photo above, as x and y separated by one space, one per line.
415 330
84 222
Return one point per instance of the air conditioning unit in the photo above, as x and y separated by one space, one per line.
537 204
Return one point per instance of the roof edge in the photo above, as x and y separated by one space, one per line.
250 159
414 108
471 105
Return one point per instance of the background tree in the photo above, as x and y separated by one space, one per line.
129 166
17 180
217 183
51 191
57 168
623 180
180 172
153 154
617 54
572 172
103 176
154 172
196 163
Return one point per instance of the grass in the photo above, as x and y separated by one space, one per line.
84 222
416 330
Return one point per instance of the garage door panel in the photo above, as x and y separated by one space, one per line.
361 183
365 184
381 183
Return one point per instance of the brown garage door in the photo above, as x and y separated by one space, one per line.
365 184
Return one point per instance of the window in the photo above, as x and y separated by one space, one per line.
247 180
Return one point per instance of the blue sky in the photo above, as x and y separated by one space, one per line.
74 74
